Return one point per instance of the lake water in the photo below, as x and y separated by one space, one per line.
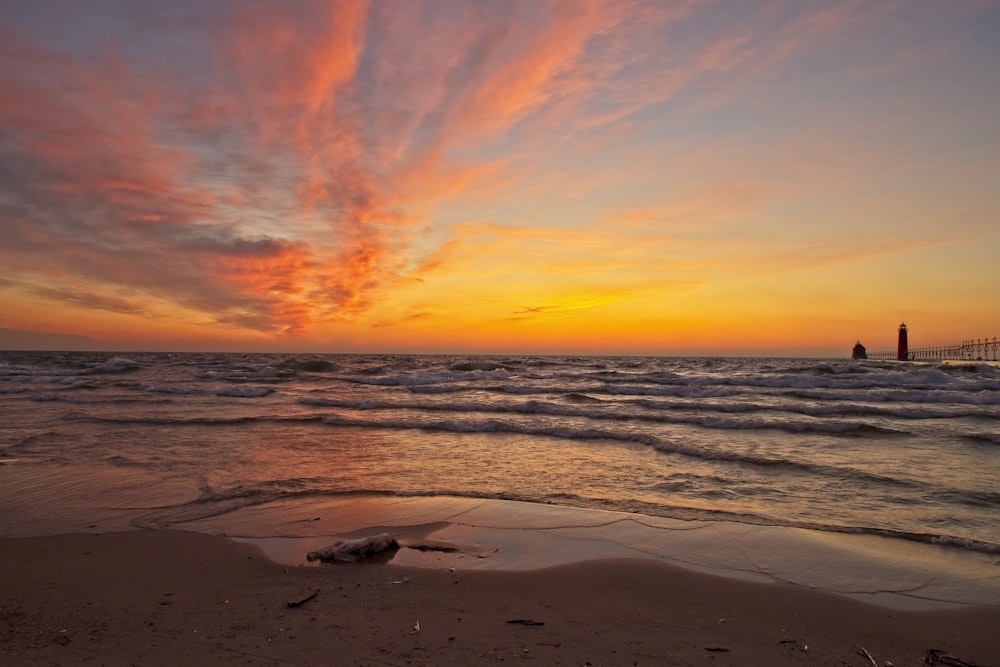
907 452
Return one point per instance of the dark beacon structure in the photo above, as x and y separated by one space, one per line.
859 351
902 348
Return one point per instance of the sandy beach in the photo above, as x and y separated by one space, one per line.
171 597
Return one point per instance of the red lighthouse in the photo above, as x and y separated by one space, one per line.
903 349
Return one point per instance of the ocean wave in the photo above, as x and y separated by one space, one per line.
41 376
687 391
431 378
468 366
989 499
87 400
258 374
24 373
969 395
378 369
822 409
437 389
992 438
310 365
191 421
244 392
925 378
576 397
602 412
15 371
830 368
501 426
115 365
181 390
970 368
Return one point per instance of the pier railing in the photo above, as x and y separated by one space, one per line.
979 349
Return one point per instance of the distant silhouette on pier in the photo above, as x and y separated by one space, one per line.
978 349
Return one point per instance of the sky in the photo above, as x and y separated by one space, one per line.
741 177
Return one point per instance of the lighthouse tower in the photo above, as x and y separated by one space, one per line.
903 349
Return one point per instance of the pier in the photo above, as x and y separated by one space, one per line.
979 349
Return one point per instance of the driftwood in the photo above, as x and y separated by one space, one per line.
369 548
299 601
936 656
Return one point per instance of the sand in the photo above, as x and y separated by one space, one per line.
170 597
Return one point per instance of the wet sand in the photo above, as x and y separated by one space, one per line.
165 597
509 535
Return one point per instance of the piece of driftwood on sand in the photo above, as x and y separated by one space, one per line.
357 550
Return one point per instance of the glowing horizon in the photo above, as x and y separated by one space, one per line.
760 178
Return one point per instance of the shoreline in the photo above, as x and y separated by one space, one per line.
518 536
168 596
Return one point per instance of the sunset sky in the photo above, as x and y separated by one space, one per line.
739 177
